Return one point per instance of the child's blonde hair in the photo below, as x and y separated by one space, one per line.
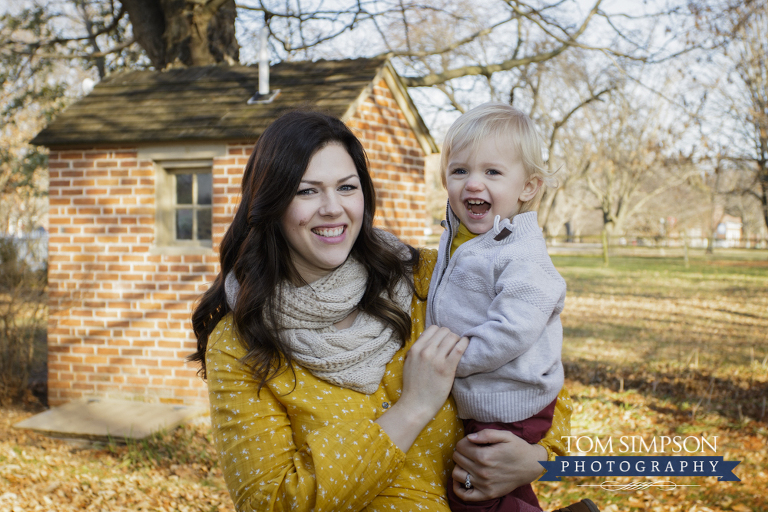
504 123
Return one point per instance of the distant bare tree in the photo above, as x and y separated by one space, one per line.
558 93
748 88
469 51
635 158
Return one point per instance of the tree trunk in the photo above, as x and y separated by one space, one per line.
710 244
148 24
185 32
764 192
548 202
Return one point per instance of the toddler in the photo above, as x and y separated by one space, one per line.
495 283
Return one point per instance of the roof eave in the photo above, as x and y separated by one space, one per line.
404 101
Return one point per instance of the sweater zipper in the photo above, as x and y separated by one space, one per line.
444 264
447 248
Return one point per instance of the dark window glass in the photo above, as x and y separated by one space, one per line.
184 188
184 224
204 224
204 188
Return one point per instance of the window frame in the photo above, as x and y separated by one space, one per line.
167 160
194 206
167 206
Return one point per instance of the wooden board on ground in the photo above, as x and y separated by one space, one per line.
108 419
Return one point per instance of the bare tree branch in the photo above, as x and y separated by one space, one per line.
451 97
559 124
87 56
479 69
63 40
456 44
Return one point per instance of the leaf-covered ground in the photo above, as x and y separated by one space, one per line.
651 348
656 349
174 471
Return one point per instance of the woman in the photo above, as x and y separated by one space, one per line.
303 339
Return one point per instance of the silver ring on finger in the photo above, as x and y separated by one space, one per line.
467 482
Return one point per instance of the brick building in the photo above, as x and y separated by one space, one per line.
144 179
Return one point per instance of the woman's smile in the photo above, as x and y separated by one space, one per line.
330 234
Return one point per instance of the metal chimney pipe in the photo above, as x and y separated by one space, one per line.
263 63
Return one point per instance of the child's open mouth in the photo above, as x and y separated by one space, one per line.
477 207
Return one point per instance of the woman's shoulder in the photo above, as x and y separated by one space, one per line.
223 338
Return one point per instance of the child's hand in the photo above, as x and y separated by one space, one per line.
428 372
429 369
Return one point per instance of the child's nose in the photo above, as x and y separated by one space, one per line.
474 184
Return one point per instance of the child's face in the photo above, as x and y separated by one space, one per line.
486 182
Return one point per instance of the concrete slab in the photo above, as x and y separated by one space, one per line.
105 419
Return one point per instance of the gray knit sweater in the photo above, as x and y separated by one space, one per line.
502 291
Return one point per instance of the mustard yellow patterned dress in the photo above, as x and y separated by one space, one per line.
310 445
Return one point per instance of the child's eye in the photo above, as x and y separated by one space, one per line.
493 172
459 170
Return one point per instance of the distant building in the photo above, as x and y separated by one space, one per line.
728 233
144 179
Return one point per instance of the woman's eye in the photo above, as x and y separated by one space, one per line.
305 191
347 188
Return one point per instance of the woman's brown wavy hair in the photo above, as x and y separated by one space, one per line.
255 248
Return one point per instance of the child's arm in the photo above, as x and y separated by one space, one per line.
528 300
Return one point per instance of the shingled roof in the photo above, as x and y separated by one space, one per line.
210 102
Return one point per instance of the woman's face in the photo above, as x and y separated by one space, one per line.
326 214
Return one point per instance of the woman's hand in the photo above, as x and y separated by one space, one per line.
497 462
428 372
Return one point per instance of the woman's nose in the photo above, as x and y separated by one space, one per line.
331 206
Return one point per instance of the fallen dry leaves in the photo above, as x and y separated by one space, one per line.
603 413
172 472
651 349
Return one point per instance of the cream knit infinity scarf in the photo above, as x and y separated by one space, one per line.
354 357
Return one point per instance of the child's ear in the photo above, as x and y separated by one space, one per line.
531 189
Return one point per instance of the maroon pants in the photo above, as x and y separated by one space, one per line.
522 499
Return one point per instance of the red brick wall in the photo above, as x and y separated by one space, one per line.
397 164
119 315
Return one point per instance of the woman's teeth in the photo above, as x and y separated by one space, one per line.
329 232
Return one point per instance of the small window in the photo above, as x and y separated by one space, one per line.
184 204
193 205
